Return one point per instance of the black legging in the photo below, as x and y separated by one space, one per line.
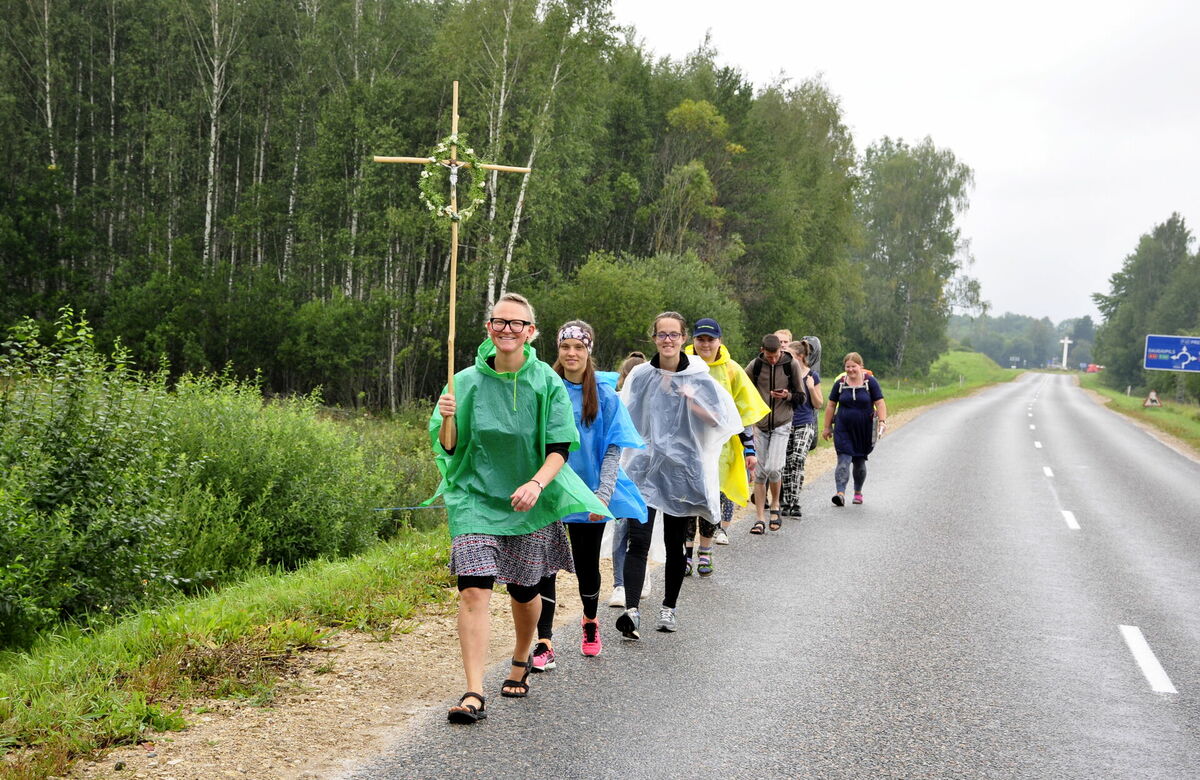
585 549
674 539
635 559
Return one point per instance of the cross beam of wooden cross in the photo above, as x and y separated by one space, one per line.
453 164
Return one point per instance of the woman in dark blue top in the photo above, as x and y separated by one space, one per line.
855 406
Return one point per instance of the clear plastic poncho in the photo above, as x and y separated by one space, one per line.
685 417
505 420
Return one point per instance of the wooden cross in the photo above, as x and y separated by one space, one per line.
453 164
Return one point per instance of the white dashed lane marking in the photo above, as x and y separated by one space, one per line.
1155 674
1069 517
1047 471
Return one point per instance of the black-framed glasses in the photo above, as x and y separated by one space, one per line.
516 326
660 336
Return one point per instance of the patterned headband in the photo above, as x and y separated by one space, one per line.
576 332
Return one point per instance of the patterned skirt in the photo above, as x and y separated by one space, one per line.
513 560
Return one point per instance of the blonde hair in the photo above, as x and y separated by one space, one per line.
784 335
852 357
512 297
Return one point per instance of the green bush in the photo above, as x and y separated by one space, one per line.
115 489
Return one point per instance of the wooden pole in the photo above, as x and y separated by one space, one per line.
453 242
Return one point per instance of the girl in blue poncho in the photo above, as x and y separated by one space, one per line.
604 430
501 441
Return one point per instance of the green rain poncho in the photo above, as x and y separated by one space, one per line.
505 421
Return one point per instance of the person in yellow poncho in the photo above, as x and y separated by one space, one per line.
738 455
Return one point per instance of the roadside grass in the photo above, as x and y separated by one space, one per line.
1180 420
80 690
953 375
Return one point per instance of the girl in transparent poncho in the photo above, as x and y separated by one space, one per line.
685 417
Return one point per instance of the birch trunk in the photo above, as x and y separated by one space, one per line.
47 83
215 49
903 341
539 133
289 238
495 134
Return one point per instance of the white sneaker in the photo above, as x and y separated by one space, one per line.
720 537
666 619
617 599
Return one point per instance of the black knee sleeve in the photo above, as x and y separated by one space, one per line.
476 582
523 594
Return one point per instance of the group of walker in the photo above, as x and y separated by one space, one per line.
670 437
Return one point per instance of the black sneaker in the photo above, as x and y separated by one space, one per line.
628 624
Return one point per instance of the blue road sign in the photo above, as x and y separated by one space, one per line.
1172 353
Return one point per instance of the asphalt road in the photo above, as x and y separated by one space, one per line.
959 624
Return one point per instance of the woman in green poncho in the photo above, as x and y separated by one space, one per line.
501 441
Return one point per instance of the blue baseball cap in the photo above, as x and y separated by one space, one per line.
707 327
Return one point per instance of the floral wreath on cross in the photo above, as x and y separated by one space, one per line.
434 177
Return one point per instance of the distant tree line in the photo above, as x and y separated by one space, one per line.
196 175
1025 342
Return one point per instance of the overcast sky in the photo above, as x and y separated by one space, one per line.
1080 120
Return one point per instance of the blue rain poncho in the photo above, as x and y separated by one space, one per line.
611 426
685 417
505 421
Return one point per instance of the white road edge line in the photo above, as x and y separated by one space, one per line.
1037 444
1032 427
1155 674
1069 516
1046 470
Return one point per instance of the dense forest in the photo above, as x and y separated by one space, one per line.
197 178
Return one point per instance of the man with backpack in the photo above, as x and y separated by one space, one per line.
778 382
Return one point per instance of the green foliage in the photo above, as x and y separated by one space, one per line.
1032 342
621 296
115 490
1157 290
908 202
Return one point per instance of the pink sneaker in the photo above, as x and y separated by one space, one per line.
591 637
858 498
543 657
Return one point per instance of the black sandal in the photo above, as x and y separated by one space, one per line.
522 684
471 713
759 528
776 520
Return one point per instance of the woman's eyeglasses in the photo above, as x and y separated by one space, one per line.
667 336
516 326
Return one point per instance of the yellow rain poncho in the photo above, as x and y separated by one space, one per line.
505 421
732 467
